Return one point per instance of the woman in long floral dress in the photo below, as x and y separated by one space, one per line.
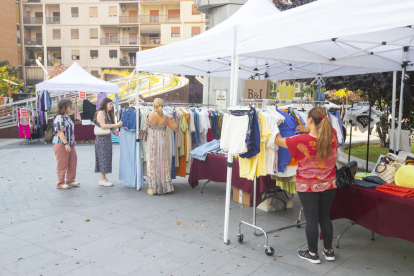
158 162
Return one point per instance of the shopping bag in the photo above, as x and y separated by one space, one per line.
257 89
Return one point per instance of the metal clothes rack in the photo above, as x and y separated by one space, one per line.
28 140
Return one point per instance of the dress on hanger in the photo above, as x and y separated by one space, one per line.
158 162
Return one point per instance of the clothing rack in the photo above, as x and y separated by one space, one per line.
181 104
27 106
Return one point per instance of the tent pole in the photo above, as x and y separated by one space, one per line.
138 151
394 92
233 62
400 111
236 81
350 139
227 205
369 130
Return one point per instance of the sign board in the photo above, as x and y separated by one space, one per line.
82 95
221 99
23 112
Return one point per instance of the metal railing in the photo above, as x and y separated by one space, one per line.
157 19
33 20
127 62
31 1
128 19
120 41
150 40
33 41
53 20
74 15
32 62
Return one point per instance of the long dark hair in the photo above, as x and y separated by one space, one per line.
102 107
324 129
63 104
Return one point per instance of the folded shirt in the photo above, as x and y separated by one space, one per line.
200 153
396 190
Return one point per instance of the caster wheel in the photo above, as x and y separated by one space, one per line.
270 251
227 243
240 238
297 222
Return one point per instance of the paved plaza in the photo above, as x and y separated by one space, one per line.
94 230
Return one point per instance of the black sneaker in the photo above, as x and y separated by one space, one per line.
309 257
329 255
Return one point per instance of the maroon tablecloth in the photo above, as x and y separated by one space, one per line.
384 214
215 169
84 132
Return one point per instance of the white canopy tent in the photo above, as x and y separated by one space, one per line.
76 79
321 39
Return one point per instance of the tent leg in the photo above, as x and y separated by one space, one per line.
394 92
233 62
397 149
228 192
236 81
138 151
369 131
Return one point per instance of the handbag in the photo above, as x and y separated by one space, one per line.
345 175
383 169
404 175
142 135
100 131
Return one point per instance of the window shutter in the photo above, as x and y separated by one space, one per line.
74 11
56 33
95 73
94 53
173 14
195 11
113 53
94 33
75 33
93 12
175 30
195 30
113 11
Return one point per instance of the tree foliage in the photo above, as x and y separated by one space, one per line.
7 73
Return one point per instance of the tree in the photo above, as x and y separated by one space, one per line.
57 69
307 91
4 86
14 72
344 96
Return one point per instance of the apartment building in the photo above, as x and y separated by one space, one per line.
102 34
10 41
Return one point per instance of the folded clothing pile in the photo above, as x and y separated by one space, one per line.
396 190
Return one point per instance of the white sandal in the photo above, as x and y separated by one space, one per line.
64 186
73 184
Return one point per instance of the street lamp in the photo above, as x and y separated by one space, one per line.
10 83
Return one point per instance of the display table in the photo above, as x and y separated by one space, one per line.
215 169
84 132
384 214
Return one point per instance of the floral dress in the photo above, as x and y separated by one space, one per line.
158 163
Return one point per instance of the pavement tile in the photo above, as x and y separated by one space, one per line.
58 202
239 266
31 214
124 236
33 262
39 204
159 267
9 218
212 260
186 270
14 199
91 270
21 190
35 197
15 207
58 267
21 253
6 272
86 250
12 244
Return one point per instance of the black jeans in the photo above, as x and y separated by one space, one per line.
317 208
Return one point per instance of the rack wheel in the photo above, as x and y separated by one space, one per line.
270 251
240 238
227 243
297 222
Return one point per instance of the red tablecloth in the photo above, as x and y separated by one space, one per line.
84 132
384 214
215 169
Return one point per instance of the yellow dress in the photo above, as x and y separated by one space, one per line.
256 166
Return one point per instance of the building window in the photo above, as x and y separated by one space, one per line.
113 54
18 34
56 33
195 11
113 38
174 14
74 12
95 73
113 11
93 34
74 33
195 31
93 11
94 54
75 55
175 31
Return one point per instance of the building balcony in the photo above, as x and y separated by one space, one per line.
31 1
157 19
33 41
128 19
53 20
150 40
120 41
33 63
33 20
127 62
119 0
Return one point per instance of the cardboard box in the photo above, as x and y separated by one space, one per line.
241 197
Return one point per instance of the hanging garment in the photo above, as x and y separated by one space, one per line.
287 129
101 96
234 134
158 163
89 110
287 184
407 95
256 166
24 129
252 136
128 158
103 151
196 134
76 114
46 101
